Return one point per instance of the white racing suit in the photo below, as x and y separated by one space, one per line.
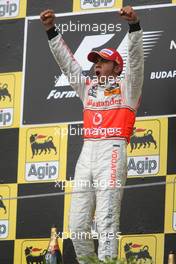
109 116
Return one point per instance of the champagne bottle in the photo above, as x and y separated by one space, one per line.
171 258
53 255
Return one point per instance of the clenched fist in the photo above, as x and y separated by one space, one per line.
129 14
47 18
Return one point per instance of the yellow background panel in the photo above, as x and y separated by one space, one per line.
77 6
23 6
43 134
170 205
59 138
8 82
12 83
153 244
40 244
158 128
150 127
7 191
5 211
21 10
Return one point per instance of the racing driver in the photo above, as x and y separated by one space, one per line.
110 106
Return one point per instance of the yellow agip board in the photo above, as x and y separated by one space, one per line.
147 150
94 5
42 154
174 211
8 211
10 92
32 250
145 249
170 204
12 9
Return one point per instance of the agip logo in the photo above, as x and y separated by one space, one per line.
145 150
139 252
4 211
144 249
35 254
42 154
89 4
32 251
84 5
7 85
9 8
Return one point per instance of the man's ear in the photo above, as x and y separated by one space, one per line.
117 69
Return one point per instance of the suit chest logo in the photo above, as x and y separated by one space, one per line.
113 90
109 97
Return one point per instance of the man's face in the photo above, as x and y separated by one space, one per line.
105 70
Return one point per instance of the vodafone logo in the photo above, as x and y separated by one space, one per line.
97 119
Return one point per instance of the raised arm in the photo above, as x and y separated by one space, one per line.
63 55
134 75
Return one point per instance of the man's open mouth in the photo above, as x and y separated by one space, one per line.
97 73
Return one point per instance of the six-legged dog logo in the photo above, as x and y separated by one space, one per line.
4 93
145 141
2 205
41 147
141 255
31 257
